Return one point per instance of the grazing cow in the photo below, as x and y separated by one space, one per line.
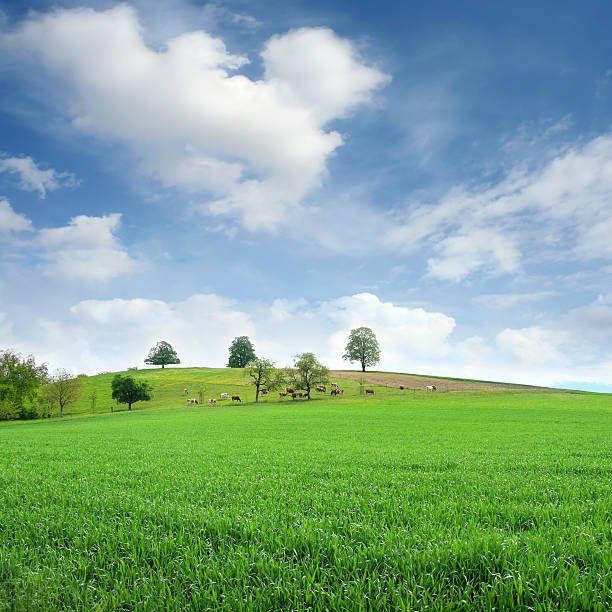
337 391
263 392
369 391
185 391
282 394
430 387
334 384
321 389
401 387
212 401
224 396
192 401
236 398
289 390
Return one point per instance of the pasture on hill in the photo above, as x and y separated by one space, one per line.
493 500
169 383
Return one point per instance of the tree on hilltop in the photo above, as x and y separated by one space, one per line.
362 346
241 352
127 390
162 354
307 372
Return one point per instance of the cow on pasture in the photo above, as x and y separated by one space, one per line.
282 394
430 387
236 398
212 401
401 387
191 401
224 396
369 391
185 391
289 390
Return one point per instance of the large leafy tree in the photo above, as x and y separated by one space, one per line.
241 352
362 346
64 390
162 354
307 372
20 380
264 375
127 390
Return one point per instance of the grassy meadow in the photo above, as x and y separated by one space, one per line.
406 501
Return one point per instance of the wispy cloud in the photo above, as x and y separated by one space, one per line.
33 178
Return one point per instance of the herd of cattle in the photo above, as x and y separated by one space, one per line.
289 392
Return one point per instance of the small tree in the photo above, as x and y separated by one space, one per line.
64 390
93 396
162 354
264 374
241 352
308 372
362 346
128 391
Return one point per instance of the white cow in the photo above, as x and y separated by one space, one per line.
224 396
192 401
430 387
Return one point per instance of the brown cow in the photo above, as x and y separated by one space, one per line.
289 390
370 391
236 398
401 387
263 392
282 394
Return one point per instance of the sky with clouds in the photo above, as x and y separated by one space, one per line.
186 171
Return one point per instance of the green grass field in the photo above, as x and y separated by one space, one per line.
455 501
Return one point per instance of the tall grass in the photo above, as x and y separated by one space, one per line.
453 502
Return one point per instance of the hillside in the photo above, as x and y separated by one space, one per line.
169 385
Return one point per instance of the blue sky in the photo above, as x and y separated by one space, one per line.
440 172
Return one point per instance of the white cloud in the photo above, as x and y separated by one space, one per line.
86 250
471 250
10 221
534 344
527 213
316 69
32 178
257 146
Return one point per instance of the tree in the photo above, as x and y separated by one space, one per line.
241 352
64 389
162 354
308 372
362 346
127 390
20 380
264 374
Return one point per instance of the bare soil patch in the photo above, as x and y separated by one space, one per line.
411 381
